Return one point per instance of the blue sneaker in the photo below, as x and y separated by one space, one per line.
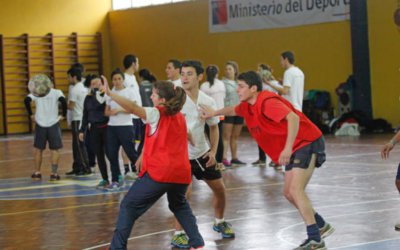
180 241
225 229
102 184
114 186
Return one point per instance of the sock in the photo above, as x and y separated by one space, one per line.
126 166
179 232
320 221
313 232
217 221
54 168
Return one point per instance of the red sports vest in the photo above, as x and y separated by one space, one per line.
270 135
165 152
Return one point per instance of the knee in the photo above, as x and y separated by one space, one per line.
287 195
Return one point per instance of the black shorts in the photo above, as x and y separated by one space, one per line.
201 172
302 157
48 134
236 120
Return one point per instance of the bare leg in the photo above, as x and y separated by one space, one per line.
237 129
38 159
227 132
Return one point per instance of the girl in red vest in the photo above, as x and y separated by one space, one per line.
164 163
289 138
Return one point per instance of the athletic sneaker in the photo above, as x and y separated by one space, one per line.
236 161
180 241
397 227
259 162
37 176
120 181
72 172
326 230
54 177
226 163
102 184
225 229
114 186
311 245
130 176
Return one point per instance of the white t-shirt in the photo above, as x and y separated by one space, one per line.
294 78
69 112
120 119
152 118
177 82
130 82
269 88
78 95
217 92
46 114
195 124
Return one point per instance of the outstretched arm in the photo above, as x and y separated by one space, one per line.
390 145
128 105
208 112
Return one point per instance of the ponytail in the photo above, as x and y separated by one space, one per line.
211 71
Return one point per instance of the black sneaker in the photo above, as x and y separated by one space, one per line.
238 162
310 244
397 227
72 172
54 177
37 176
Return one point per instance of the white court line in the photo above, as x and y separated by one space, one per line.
258 216
366 243
280 232
377 153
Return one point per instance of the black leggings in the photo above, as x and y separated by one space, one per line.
98 141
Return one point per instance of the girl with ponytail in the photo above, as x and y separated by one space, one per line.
164 163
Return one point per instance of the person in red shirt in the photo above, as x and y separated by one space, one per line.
164 163
290 139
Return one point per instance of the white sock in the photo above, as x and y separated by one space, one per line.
179 232
217 221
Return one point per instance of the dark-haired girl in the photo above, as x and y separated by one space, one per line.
164 163
120 129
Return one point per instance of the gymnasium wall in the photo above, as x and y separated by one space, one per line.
40 17
323 51
384 41
180 30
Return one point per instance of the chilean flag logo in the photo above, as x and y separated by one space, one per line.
219 12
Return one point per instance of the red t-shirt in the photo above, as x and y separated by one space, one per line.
165 152
266 121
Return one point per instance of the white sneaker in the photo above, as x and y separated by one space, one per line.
131 176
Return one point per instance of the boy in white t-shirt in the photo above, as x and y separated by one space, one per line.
293 81
77 97
173 71
201 154
47 127
131 65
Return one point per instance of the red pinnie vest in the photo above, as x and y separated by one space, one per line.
165 152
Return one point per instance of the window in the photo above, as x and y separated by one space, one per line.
125 4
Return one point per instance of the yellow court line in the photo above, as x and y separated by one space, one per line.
58 209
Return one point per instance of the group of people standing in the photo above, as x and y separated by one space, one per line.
175 146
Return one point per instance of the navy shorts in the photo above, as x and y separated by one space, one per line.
201 172
235 120
398 173
302 157
48 134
